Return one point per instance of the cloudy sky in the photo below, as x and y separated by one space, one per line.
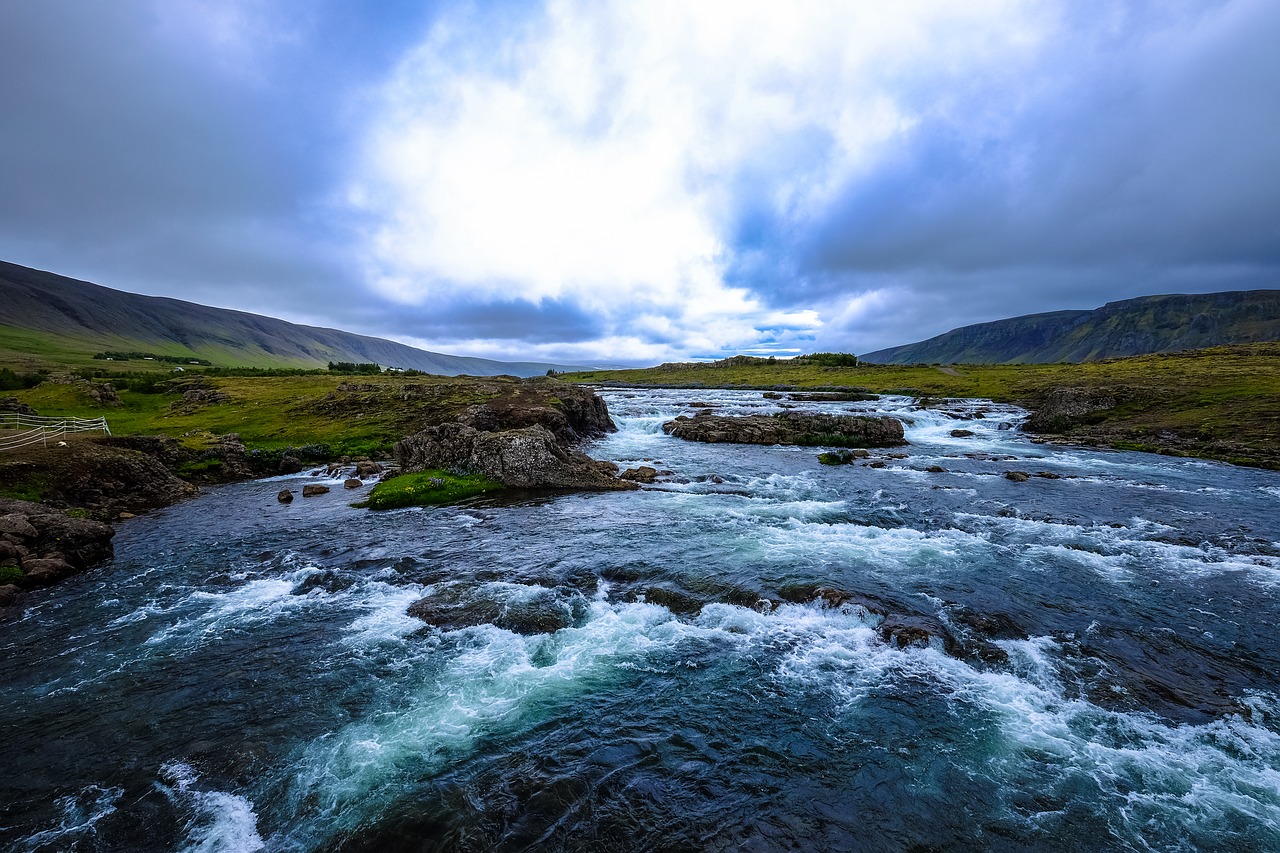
610 182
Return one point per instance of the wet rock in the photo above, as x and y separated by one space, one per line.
45 571
1004 425
789 428
831 597
328 581
368 469
352 483
310 490
678 603
961 433
289 465
771 395
9 594
285 496
914 630
641 474
875 464
936 469
1048 475
542 614
1017 476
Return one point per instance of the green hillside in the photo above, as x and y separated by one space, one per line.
1148 324
51 320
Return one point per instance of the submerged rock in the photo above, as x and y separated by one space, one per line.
790 428
1017 476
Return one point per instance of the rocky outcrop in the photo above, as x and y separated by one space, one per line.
527 458
640 474
571 413
16 406
790 428
98 476
98 393
1063 408
45 546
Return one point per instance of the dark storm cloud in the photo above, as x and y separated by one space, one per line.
151 158
1136 160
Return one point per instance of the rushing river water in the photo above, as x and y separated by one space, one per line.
244 674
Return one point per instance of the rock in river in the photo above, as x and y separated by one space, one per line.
790 428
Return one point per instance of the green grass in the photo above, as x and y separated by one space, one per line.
428 488
275 412
10 574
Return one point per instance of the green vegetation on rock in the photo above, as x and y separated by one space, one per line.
428 488
10 574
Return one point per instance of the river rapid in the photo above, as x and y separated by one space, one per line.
244 675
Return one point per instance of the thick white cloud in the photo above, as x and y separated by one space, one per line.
599 152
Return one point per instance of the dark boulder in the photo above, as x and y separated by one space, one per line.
936 469
285 496
1017 476
642 474
792 428
1048 475
961 433
9 594
352 483
544 612
311 490
367 469
289 465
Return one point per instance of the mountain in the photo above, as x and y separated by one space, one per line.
41 312
1147 324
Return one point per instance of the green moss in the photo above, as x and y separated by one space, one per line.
204 466
10 574
30 489
428 488
838 457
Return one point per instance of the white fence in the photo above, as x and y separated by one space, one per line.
34 429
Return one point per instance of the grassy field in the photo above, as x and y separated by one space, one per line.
363 415
1220 403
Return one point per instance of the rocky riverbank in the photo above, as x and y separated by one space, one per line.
40 546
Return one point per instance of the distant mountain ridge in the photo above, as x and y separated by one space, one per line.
88 317
1146 324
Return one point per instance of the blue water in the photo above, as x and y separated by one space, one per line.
1103 673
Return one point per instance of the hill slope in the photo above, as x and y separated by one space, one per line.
42 313
1148 324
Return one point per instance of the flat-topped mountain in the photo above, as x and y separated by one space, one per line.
42 312
1147 324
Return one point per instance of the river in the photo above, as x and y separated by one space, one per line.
244 675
